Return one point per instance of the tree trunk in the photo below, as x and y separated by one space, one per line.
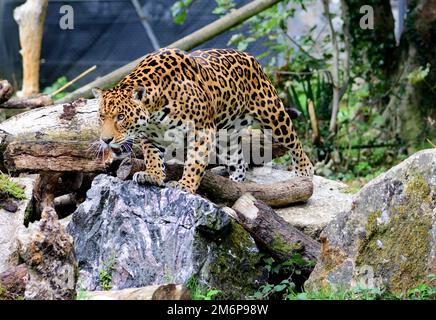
411 111
6 91
30 18
278 237
376 46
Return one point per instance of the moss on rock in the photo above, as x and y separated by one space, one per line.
8 188
236 269
398 248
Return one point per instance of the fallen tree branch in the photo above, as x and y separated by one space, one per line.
152 292
225 191
59 138
278 237
38 101
6 91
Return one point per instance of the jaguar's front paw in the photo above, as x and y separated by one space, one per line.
143 177
179 185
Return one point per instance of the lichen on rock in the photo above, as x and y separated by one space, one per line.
388 238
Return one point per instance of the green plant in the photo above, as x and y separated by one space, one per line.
81 294
55 86
281 284
10 188
105 274
198 294
334 293
179 10
424 291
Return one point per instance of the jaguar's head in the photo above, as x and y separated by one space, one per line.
122 117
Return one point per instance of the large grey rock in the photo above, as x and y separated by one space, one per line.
145 235
328 200
388 238
10 222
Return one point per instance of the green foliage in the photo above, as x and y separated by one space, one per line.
281 284
81 294
419 74
179 10
424 291
223 6
105 274
2 293
10 188
198 294
332 293
55 86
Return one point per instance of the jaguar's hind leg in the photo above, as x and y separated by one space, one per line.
272 116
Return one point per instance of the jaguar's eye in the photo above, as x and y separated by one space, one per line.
121 117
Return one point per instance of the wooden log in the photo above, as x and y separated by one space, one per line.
278 237
6 91
225 191
37 101
152 292
54 138
30 18
193 40
13 282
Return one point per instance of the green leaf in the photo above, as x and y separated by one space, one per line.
280 287
419 74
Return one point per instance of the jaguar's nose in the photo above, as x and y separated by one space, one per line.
107 140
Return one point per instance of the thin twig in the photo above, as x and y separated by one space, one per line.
80 76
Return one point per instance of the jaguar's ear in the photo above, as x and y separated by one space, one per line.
97 92
138 94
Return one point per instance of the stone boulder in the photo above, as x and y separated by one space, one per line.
10 222
388 238
48 253
328 200
130 236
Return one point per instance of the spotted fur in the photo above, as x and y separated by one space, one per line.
173 93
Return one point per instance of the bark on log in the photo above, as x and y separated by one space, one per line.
225 191
153 292
28 103
278 237
30 18
54 138
13 282
6 91
193 40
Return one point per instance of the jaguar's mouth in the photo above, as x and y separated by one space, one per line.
121 150
116 150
